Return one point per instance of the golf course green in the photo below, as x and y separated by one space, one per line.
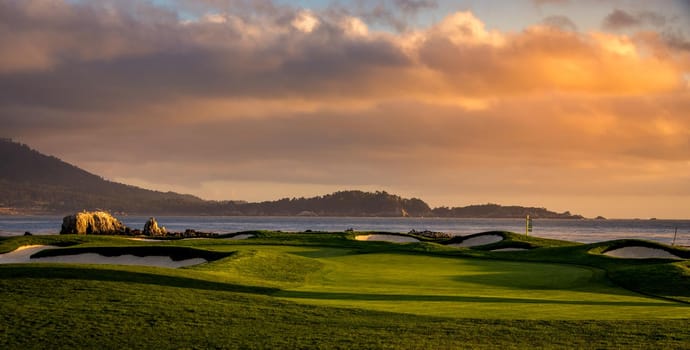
330 290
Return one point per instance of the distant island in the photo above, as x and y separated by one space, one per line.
37 184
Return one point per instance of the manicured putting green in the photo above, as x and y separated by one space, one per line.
439 286
475 288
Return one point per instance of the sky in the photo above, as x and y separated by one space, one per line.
570 105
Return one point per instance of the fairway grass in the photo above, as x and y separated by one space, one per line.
42 313
322 290
474 288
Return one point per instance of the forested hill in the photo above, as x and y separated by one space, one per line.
34 183
344 203
381 203
501 211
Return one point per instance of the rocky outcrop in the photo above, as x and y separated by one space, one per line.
151 228
92 223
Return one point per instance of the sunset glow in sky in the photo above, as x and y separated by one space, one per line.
570 105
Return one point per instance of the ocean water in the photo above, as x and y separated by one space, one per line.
585 231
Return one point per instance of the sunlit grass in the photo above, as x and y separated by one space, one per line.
327 290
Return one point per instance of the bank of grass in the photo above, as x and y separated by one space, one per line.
264 267
81 312
668 280
317 290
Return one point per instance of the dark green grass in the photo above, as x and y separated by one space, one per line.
670 280
658 277
107 309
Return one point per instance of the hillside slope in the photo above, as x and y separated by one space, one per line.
31 182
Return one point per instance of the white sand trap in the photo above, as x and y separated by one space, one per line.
22 254
242 236
478 240
387 238
641 253
92 258
509 250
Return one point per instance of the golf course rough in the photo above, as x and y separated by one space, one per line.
331 291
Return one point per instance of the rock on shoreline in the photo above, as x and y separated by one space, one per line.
151 228
102 223
92 223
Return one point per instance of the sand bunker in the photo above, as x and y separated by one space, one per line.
641 253
387 238
478 240
92 258
509 250
242 236
23 255
145 239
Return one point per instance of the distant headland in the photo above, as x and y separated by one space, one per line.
34 183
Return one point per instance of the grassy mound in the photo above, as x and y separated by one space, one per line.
666 280
264 267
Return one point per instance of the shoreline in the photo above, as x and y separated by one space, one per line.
583 231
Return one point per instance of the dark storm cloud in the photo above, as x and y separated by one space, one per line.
42 34
146 79
89 57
